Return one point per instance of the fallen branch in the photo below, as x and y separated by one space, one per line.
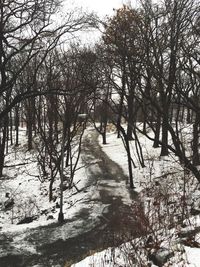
15 165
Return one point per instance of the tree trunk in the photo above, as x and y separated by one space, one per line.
104 137
157 132
195 143
16 126
11 129
128 157
129 163
188 116
130 117
2 145
51 189
121 100
164 147
30 133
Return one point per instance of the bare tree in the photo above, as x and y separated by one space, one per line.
28 32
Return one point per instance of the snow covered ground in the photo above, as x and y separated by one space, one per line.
30 199
121 257
163 187
30 196
22 184
167 191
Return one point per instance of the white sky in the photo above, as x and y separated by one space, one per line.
101 7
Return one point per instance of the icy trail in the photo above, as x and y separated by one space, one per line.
103 220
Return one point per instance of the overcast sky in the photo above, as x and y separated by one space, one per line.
101 7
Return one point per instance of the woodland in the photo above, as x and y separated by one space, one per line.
137 88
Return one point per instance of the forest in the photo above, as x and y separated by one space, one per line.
100 142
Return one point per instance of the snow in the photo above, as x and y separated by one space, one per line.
31 198
172 185
30 195
193 256
155 167
160 178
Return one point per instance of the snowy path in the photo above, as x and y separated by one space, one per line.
102 221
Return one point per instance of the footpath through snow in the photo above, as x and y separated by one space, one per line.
95 217
167 192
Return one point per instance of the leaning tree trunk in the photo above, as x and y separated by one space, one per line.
129 158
